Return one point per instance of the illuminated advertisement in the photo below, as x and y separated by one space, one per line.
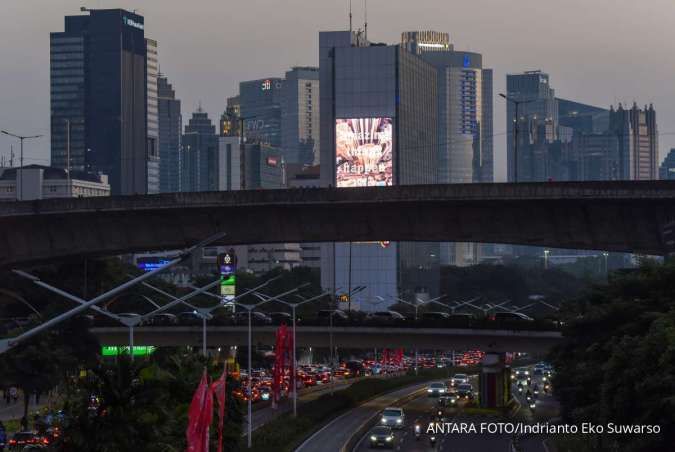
364 152
138 350
227 268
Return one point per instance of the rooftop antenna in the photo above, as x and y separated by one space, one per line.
350 16
365 25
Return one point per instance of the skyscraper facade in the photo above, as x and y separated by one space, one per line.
637 133
153 155
300 116
378 106
538 119
667 169
200 145
464 120
98 84
260 105
170 125
229 120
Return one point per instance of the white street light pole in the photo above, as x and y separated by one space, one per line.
6 344
293 307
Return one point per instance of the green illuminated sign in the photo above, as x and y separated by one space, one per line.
138 350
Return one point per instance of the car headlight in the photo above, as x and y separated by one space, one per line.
373 438
390 438
429 390
398 421
441 390
384 421
527 372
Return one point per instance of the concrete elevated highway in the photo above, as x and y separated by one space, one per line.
612 216
343 337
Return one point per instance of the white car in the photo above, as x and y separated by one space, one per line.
393 417
459 379
436 389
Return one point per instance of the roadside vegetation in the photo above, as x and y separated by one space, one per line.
618 361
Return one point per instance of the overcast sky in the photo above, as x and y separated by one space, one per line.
596 51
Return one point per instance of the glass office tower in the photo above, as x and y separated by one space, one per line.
378 127
99 85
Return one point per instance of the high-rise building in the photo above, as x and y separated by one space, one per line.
170 126
152 65
200 144
98 84
260 109
229 120
538 120
667 170
300 116
464 120
378 127
638 141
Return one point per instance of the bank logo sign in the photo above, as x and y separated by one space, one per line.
132 23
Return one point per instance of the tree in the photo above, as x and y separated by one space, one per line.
617 363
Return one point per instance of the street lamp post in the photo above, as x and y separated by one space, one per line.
517 104
293 307
21 138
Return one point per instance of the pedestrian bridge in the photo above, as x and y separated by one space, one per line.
356 337
611 216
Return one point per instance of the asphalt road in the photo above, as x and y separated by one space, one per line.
422 411
335 435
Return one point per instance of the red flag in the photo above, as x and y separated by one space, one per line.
218 388
199 417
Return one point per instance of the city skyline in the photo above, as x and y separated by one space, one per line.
614 64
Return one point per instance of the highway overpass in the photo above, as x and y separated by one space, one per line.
343 337
612 216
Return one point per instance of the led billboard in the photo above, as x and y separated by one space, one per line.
364 152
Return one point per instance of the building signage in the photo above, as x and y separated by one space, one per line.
138 350
266 85
132 23
364 152
227 268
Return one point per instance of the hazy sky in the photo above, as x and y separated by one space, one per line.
596 51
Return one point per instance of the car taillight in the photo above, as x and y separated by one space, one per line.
12 442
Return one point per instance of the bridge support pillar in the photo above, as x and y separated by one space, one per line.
494 381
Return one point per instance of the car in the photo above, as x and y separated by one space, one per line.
189 318
519 371
324 316
381 436
279 318
436 389
523 380
511 317
435 317
257 318
21 439
393 417
385 317
355 369
129 316
465 391
447 400
459 379
163 319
